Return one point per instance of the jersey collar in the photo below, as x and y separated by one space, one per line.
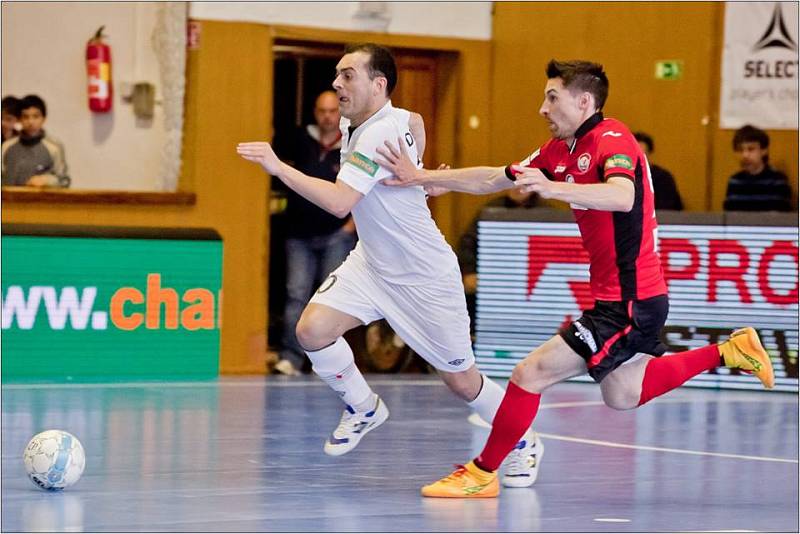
584 128
345 123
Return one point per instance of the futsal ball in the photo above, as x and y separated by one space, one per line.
54 459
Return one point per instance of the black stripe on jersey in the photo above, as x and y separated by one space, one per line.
628 228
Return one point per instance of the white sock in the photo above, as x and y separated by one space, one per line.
488 400
336 366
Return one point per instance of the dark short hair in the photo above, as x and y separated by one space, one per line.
581 75
11 105
750 134
33 101
646 139
381 63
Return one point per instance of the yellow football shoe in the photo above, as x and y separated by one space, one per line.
743 350
466 482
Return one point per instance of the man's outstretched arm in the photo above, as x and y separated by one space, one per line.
616 194
475 180
337 198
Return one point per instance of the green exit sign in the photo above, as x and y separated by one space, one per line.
670 69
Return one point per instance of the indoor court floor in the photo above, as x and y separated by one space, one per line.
245 454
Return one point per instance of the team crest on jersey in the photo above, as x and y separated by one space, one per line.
362 162
584 161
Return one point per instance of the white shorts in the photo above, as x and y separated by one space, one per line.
432 318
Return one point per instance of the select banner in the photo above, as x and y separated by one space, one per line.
533 277
95 308
759 65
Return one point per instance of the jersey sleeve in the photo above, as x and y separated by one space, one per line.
359 169
618 153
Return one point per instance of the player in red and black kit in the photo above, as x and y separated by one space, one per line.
596 166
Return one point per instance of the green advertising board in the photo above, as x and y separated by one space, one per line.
84 309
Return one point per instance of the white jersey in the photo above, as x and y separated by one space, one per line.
397 235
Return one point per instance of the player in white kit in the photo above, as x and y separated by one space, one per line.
402 269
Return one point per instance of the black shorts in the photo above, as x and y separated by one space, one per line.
612 333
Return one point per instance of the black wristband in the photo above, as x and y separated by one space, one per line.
510 174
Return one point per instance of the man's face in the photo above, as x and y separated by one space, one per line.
563 110
356 92
326 112
32 121
751 156
9 123
645 148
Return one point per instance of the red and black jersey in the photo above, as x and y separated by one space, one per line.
624 264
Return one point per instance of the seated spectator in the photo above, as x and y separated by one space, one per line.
665 191
10 117
468 245
34 158
757 187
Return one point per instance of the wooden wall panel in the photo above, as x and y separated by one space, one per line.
627 38
228 99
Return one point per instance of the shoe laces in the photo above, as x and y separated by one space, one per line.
457 474
518 459
349 423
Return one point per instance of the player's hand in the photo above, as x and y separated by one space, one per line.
531 180
261 153
398 162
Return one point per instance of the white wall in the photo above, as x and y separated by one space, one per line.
466 20
43 52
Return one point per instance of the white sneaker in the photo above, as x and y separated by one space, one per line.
522 464
285 367
353 426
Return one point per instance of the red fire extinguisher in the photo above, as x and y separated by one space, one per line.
98 68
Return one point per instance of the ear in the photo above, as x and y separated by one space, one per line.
380 83
586 100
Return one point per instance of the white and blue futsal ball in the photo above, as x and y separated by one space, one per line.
54 459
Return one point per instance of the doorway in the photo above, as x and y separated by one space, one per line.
302 70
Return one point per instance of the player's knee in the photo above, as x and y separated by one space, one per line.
311 332
621 398
530 376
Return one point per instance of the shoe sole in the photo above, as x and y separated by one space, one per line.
523 482
333 450
476 496
759 354
486 495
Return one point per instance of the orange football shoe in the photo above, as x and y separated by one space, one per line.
743 350
466 482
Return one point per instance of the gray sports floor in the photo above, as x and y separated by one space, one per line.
246 455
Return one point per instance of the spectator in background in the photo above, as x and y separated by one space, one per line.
10 117
665 191
757 187
468 245
317 242
34 158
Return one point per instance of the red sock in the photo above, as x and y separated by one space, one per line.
668 372
512 420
